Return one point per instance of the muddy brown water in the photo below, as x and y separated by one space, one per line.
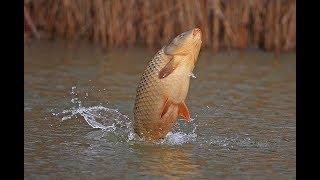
243 110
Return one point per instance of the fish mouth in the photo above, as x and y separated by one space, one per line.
177 47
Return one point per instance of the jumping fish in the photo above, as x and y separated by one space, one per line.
164 85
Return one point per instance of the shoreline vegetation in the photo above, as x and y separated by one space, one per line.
269 25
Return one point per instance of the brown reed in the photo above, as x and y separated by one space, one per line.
239 24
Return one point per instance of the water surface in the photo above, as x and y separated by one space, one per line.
244 113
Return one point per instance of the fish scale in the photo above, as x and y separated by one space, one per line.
163 86
149 92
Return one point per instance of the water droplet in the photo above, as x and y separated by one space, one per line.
192 75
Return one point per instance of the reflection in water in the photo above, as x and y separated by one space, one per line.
165 161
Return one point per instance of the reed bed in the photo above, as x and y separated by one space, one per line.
226 24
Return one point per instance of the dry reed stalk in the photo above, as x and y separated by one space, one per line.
130 32
288 24
257 14
227 26
216 25
291 40
269 30
267 24
204 22
101 33
168 26
277 24
30 23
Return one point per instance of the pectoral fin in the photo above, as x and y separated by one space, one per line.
184 112
168 68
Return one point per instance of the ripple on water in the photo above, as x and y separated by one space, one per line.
117 127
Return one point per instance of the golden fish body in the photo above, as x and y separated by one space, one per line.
164 85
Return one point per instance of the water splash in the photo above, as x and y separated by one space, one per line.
181 133
178 138
115 125
192 75
101 117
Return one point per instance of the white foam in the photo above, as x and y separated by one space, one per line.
179 138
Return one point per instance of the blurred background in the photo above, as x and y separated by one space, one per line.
226 24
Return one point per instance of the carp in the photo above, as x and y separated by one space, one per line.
164 85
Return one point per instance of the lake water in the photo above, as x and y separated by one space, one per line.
243 110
